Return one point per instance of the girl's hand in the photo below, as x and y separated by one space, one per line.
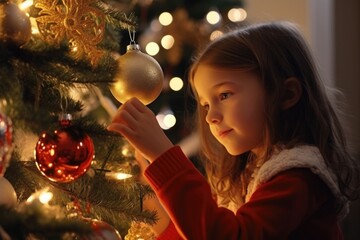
138 124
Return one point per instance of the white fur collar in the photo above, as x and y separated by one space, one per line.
304 156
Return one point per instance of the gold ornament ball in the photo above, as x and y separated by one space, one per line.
15 26
140 76
8 196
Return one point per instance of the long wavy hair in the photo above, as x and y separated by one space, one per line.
275 51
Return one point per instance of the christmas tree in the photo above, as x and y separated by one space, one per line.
65 175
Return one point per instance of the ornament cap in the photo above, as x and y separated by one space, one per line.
132 47
65 116
65 119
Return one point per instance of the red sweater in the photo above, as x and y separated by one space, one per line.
295 204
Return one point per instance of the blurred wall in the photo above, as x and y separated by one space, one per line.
347 75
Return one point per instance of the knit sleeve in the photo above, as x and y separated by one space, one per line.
277 209
170 233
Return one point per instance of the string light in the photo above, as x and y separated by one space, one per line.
166 119
167 41
237 14
176 84
165 18
215 34
118 175
26 4
44 196
152 48
213 17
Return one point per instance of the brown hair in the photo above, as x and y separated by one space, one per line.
275 51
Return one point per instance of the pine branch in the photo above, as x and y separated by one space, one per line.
19 225
117 18
36 82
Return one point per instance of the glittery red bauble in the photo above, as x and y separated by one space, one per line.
64 155
102 231
5 143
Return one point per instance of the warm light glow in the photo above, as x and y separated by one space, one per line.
119 87
166 119
118 175
167 41
215 34
24 5
52 152
213 17
125 152
45 197
169 120
152 48
165 18
237 14
122 176
176 83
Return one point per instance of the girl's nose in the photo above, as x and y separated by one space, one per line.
213 116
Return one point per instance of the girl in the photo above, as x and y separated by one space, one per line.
274 149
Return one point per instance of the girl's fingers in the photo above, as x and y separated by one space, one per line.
120 128
138 124
138 105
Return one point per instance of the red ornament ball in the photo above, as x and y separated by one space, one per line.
102 231
64 155
5 143
15 26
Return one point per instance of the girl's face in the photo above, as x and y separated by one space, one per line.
234 104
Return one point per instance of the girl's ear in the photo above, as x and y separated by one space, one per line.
292 93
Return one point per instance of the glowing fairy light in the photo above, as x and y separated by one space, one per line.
167 41
169 120
118 175
237 14
44 196
166 119
122 176
213 17
152 48
215 34
26 4
176 84
165 18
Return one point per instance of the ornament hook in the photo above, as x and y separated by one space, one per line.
132 36
132 45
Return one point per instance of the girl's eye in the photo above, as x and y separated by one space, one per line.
225 95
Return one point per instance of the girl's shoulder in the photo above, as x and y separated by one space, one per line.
303 156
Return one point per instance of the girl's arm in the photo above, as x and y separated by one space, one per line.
295 204
139 126
275 210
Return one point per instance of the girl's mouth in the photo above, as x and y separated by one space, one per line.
224 133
